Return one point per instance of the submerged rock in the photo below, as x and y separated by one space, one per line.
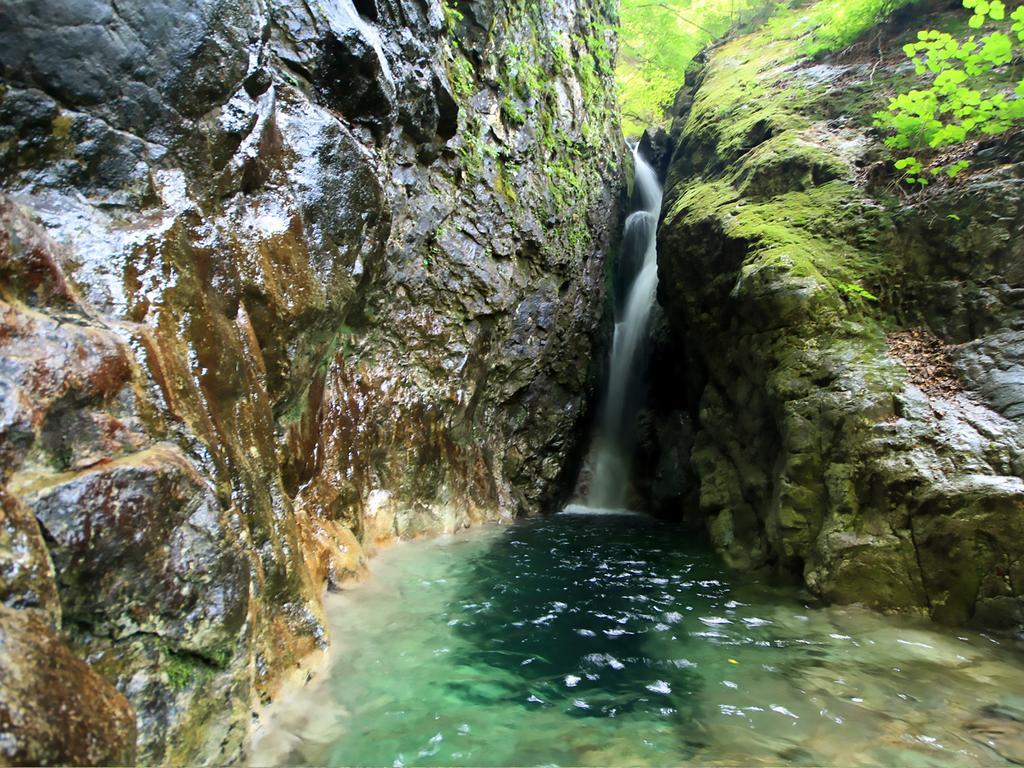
1005 735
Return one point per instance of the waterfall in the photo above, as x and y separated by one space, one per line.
636 289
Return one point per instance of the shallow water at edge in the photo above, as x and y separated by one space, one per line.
615 640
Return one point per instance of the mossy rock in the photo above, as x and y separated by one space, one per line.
783 264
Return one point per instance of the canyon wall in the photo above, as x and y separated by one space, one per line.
841 366
279 283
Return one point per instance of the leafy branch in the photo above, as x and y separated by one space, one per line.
677 14
957 105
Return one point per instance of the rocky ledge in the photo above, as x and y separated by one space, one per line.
846 357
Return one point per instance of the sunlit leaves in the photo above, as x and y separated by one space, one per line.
1018 23
985 9
830 25
913 171
955 169
657 40
958 104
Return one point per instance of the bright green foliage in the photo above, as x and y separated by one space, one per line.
452 17
856 291
1018 23
991 9
657 41
960 103
659 38
793 202
830 25
913 171
462 77
511 113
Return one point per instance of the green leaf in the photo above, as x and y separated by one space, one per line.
958 103
855 290
954 170
951 77
997 48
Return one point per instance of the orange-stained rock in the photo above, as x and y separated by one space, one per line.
45 362
140 545
351 322
333 554
29 268
54 709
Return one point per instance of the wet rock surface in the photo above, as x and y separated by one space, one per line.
656 146
852 359
137 546
280 284
54 709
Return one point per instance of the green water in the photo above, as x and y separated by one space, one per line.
589 640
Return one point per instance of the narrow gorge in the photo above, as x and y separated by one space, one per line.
407 382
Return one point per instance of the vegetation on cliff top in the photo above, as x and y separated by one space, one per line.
961 98
769 172
658 40
966 96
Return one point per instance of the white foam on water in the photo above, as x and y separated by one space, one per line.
580 509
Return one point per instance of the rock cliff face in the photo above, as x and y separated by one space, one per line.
279 282
850 402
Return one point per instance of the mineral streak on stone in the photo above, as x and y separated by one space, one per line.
279 284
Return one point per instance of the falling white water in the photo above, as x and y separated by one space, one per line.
343 16
617 435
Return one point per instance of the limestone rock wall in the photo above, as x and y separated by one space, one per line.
846 355
279 283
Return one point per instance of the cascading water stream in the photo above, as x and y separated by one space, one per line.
598 638
637 283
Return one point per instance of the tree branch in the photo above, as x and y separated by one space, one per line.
677 14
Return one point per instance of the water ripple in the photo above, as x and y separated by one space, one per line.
614 640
